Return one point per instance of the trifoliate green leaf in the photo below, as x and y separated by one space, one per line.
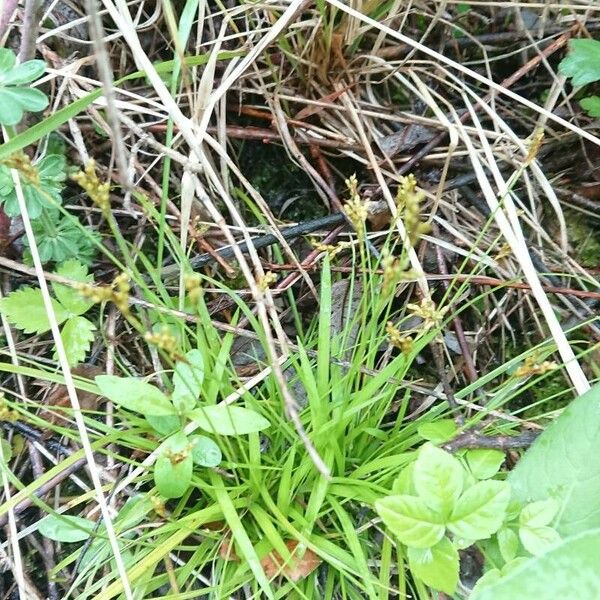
410 520
10 112
8 60
25 310
15 96
437 567
24 73
135 395
582 63
438 478
479 512
77 336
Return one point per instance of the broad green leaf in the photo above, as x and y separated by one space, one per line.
165 425
77 336
508 543
25 310
438 432
205 451
559 465
410 520
65 528
538 514
484 463
582 63
135 395
24 73
536 540
569 570
187 381
437 567
480 511
487 579
438 478
228 420
591 105
70 298
174 466
404 484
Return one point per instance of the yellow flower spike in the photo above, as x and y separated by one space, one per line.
398 339
22 163
531 367
98 192
428 311
266 280
164 340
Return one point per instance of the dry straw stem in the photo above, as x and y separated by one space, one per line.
17 562
466 71
508 222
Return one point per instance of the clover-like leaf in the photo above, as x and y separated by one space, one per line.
25 310
15 96
582 63
77 336
24 73
438 478
228 420
135 395
8 60
437 566
411 521
479 512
